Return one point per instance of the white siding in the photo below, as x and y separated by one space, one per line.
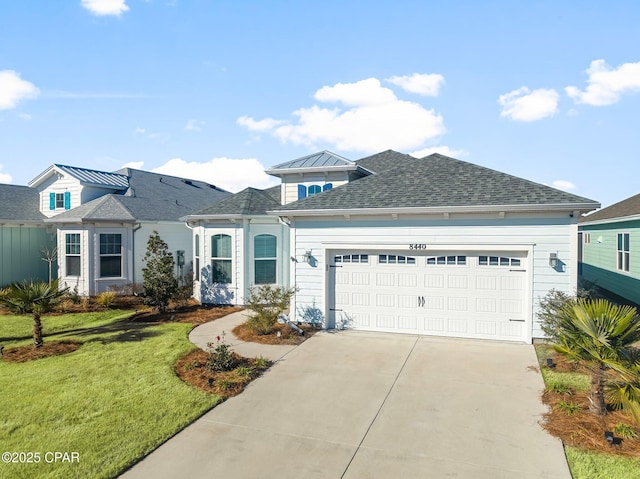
539 234
59 185
289 189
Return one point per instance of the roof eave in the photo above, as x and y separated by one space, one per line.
314 169
619 219
579 207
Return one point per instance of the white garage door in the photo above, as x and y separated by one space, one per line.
460 294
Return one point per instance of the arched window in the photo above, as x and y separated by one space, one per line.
265 259
314 189
221 259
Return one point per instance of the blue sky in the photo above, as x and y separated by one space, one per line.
220 90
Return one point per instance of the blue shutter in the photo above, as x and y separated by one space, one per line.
302 192
67 200
52 201
327 186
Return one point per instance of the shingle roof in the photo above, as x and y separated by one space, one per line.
402 181
249 202
149 197
19 203
622 209
316 160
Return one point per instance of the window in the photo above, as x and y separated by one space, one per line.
451 259
110 255
196 273
327 186
72 254
623 252
265 259
352 258
586 238
314 189
58 201
498 261
221 259
396 259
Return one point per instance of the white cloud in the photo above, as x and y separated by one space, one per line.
443 150
227 173
25 116
136 165
105 7
13 89
139 130
258 125
526 105
4 177
421 83
368 118
563 185
605 85
194 125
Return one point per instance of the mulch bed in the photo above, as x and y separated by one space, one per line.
192 370
584 429
287 334
23 354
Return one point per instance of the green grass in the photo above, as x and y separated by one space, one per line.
113 401
586 464
589 465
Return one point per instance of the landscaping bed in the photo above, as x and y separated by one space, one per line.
287 334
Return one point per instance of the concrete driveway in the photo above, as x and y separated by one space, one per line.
375 405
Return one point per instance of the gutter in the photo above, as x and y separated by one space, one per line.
619 219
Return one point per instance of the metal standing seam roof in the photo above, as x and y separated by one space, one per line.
95 177
316 160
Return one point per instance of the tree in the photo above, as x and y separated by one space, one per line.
158 278
50 255
600 335
34 298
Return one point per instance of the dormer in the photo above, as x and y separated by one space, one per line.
313 174
62 187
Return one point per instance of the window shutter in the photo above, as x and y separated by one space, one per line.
67 200
52 201
327 186
302 192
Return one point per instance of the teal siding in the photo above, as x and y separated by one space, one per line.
20 256
599 258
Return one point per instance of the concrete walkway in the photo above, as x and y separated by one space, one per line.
375 405
207 333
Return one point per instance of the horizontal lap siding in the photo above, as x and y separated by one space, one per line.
600 261
548 238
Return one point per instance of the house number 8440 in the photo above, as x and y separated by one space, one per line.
417 246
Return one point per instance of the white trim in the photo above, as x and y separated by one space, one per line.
619 219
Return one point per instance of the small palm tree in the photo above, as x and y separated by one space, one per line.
36 298
600 335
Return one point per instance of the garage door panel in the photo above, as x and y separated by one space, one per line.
469 296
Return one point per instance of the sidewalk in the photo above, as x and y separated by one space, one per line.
207 333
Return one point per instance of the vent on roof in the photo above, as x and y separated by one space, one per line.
188 182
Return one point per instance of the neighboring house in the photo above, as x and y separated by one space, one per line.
395 243
102 221
23 236
611 247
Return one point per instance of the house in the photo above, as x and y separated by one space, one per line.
395 243
102 221
610 241
23 235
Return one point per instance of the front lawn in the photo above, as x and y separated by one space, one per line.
596 459
112 401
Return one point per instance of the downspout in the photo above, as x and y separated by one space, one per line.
136 227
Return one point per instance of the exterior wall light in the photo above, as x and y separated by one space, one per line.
553 260
307 257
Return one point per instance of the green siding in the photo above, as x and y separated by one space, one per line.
599 258
20 256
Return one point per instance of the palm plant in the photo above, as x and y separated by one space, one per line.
36 298
600 335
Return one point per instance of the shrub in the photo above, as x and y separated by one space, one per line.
266 303
106 298
569 408
220 357
244 371
549 309
625 431
560 388
159 282
261 363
